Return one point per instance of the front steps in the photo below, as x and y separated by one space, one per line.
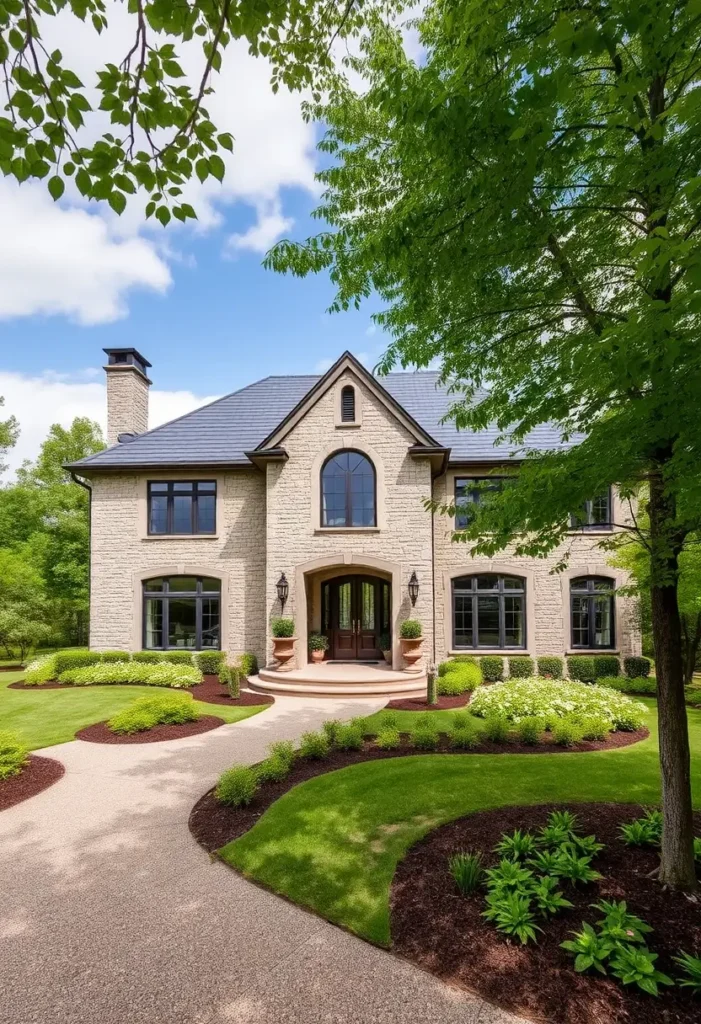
340 681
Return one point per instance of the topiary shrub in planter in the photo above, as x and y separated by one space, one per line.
13 755
209 662
411 638
463 677
282 627
283 631
606 665
582 668
521 667
636 667
550 666
318 646
492 666
237 786
146 712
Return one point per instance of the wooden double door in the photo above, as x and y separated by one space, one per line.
355 614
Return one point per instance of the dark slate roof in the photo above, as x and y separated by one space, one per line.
221 432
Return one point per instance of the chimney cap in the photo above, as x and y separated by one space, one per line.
130 356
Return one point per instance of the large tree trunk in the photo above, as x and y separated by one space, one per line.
677 855
692 637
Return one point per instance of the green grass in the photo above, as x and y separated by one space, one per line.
406 720
333 843
44 717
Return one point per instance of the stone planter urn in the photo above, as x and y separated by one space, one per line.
284 651
411 652
317 655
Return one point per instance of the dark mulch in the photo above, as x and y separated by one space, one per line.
11 668
40 773
210 691
214 825
443 932
419 704
99 733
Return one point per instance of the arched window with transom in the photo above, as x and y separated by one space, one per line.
592 612
348 490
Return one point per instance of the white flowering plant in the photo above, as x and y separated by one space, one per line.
553 699
41 670
126 672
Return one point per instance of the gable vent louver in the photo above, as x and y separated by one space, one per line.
348 404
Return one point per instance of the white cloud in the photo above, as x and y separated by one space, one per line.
38 402
270 225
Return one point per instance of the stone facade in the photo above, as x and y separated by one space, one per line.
268 523
127 401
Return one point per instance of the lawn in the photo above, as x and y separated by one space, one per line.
42 718
333 843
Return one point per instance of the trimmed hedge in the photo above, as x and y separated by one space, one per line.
148 657
113 656
146 712
460 677
586 668
458 659
636 667
607 665
492 666
130 672
178 657
66 660
521 667
209 662
550 665
13 755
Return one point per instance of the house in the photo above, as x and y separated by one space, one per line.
306 494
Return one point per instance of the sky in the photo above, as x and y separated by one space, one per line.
195 299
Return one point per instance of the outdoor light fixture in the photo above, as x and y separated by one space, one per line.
413 587
283 589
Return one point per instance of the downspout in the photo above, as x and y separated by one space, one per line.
88 488
433 568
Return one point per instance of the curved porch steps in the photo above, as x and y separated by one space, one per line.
340 681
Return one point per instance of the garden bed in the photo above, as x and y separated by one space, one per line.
39 774
100 733
11 668
443 932
444 703
209 691
213 824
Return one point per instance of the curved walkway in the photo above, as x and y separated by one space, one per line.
111 914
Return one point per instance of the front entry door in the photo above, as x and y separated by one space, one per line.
357 609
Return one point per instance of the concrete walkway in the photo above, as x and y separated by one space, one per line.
111 914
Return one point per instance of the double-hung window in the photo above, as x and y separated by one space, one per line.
182 507
595 514
592 612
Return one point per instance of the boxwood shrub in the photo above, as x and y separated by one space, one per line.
462 677
178 657
13 755
248 664
625 685
582 668
521 667
550 665
65 660
112 656
209 662
158 709
237 786
492 666
606 665
636 667
148 657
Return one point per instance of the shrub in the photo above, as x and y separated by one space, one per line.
109 657
606 665
66 660
692 697
148 657
410 629
146 712
209 662
553 699
465 736
237 786
521 667
388 739
390 720
318 642
273 769
282 627
349 737
13 755
177 657
314 745
567 732
496 729
550 665
459 659
331 728
41 670
284 750
462 677
467 871
463 720
425 739
582 668
645 831
636 667
624 684
230 677
248 664
492 666
595 727
529 729
385 643
516 845
129 672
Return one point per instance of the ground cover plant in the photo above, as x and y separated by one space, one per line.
49 667
158 709
13 755
556 699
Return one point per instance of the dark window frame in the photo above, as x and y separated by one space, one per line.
165 596
170 495
462 518
348 493
582 520
501 592
590 594
348 390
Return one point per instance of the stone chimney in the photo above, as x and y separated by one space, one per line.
127 394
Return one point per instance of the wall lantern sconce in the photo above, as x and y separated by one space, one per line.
283 590
413 587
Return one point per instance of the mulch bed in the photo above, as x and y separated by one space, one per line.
11 668
99 733
445 703
214 825
210 691
40 773
443 932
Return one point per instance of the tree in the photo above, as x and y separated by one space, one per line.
160 133
9 432
20 633
527 201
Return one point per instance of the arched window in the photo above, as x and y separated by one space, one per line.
591 612
182 613
348 404
348 490
489 611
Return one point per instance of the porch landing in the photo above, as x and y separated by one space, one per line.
340 680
